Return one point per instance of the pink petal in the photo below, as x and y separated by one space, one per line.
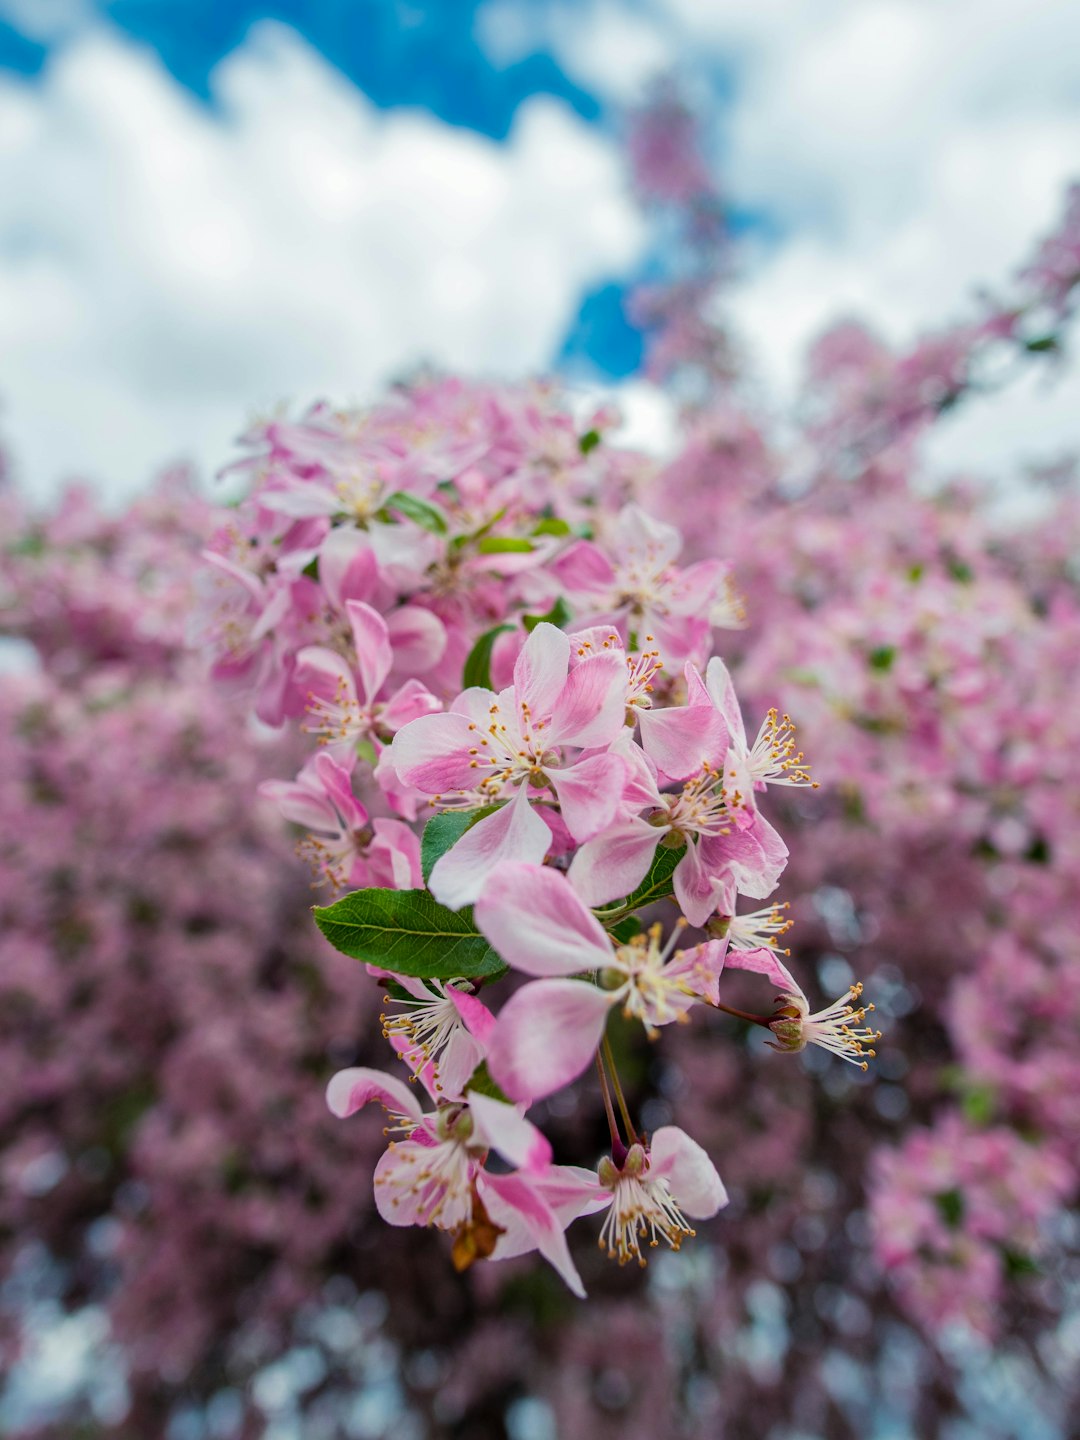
540 670
459 1059
696 1186
301 805
615 863
529 1224
475 1015
417 637
503 1129
324 674
373 653
545 1036
591 708
678 741
350 1090
394 855
754 856
432 754
402 1197
585 571
697 885
337 783
514 832
700 967
537 923
589 793
638 532
407 704
347 568
722 694
765 961
697 588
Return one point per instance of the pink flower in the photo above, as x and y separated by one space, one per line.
344 847
720 853
440 1025
436 1176
515 746
771 760
837 1028
651 1194
343 706
547 1033
642 590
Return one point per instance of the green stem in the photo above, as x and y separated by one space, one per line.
619 1096
745 1015
616 1139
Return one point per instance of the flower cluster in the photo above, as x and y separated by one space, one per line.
521 741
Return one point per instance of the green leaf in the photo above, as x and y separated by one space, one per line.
1038 852
366 751
1017 1264
551 526
478 664
504 545
1041 344
625 930
657 885
883 657
408 933
480 1081
589 441
444 830
559 614
311 569
951 1205
423 512
960 571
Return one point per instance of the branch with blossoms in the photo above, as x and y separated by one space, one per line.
523 745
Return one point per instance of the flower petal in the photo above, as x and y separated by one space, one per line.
529 1224
540 670
502 1128
615 863
765 961
591 707
589 793
680 740
545 1036
513 832
350 1090
432 754
696 1186
538 924
373 653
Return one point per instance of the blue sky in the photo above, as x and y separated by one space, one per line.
211 206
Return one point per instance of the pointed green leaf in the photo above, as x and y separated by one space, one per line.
559 614
478 665
589 441
408 933
423 512
551 526
480 1081
504 545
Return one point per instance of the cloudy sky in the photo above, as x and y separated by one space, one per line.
210 206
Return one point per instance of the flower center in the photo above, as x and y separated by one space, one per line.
642 1209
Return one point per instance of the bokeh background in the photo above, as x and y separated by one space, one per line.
211 208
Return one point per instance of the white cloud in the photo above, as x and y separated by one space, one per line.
908 150
165 269
606 46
